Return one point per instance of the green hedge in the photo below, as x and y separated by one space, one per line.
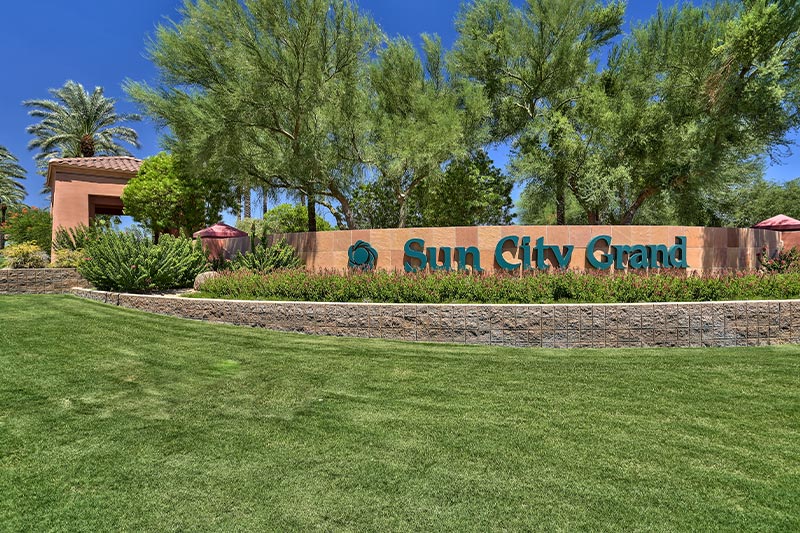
558 286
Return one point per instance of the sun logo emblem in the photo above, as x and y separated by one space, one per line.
362 256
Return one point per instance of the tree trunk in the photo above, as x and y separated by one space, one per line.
561 206
3 209
264 205
87 146
403 214
593 217
312 213
347 209
402 199
247 203
627 218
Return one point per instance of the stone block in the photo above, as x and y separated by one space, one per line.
477 337
599 317
535 338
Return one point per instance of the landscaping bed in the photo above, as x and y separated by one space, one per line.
458 287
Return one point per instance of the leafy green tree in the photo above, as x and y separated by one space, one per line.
265 88
12 192
164 198
78 124
30 224
472 192
706 92
690 104
416 124
748 203
530 61
283 218
375 206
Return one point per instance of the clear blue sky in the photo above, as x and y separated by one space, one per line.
102 42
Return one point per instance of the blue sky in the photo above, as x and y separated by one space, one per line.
102 42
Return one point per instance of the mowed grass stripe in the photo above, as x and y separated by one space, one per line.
112 419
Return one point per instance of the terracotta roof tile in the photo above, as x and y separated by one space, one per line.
114 163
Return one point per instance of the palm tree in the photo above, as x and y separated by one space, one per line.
11 190
78 124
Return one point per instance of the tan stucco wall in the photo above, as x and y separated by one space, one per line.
708 249
791 239
71 191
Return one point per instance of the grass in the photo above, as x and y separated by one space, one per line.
116 420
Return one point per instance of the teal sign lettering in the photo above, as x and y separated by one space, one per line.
637 256
529 254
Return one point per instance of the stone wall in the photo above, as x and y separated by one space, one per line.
745 323
40 280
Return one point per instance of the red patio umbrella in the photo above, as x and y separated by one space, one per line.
220 230
222 240
779 223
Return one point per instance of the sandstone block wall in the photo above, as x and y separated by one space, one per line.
708 249
755 323
40 280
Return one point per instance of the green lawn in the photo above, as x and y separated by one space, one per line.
117 420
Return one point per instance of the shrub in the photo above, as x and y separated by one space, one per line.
540 287
130 262
782 261
265 258
30 225
74 238
67 258
25 255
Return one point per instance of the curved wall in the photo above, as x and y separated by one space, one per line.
706 249
40 280
751 323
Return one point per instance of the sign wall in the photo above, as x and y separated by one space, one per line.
522 248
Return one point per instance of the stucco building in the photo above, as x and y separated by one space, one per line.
83 187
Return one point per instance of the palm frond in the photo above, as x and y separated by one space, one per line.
74 114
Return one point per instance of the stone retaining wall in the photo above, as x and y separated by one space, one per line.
551 326
40 280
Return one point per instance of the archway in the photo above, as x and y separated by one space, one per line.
83 187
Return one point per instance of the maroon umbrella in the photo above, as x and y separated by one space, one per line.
220 230
779 223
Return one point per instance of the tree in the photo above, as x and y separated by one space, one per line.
690 105
472 192
78 124
12 192
165 198
416 124
707 92
265 88
283 218
746 204
30 224
375 206
530 61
